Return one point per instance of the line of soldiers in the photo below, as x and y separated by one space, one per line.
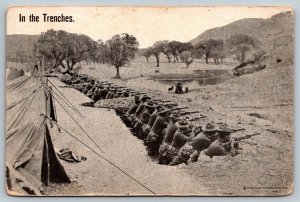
166 129
169 132
97 90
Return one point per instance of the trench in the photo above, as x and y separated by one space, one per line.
94 176
201 77
119 113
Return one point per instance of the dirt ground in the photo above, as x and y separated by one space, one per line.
261 102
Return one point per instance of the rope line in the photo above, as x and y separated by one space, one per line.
77 123
74 108
64 101
101 156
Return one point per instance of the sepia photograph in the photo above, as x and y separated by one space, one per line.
149 101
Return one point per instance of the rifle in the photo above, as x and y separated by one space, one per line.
170 110
168 104
137 93
162 100
193 112
238 129
246 136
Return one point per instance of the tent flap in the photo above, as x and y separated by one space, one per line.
30 157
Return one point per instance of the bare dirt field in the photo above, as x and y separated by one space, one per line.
261 102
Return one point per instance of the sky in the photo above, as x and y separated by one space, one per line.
147 24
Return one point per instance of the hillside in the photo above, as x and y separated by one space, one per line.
276 34
19 43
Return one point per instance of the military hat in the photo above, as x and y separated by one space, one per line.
225 129
209 127
113 89
182 123
164 111
150 104
145 97
136 97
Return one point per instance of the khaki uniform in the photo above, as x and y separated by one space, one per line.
156 135
166 151
191 150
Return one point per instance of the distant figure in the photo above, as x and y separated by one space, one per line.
178 88
170 90
186 89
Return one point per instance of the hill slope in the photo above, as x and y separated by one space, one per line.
276 34
19 43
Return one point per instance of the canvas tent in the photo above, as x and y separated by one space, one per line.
30 157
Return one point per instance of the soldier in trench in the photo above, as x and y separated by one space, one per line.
150 107
166 151
157 132
224 145
134 116
190 151
131 110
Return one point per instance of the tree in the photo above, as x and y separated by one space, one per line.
217 51
198 50
21 56
101 53
77 47
240 45
122 49
174 49
185 47
186 57
50 46
60 48
210 48
146 52
166 50
157 49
